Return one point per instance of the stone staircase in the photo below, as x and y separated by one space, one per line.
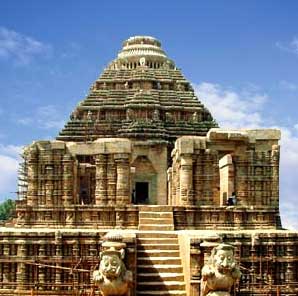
159 268
156 218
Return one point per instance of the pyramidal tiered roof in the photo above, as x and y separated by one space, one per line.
140 95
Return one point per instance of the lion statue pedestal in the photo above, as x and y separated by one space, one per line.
221 272
112 276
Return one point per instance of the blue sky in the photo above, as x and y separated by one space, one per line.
241 56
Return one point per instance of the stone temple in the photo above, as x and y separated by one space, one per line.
142 167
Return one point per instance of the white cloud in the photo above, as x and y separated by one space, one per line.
231 108
244 109
20 48
291 46
287 85
9 160
45 117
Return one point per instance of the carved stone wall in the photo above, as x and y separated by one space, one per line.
268 261
62 261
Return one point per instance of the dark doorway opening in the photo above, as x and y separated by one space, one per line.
142 192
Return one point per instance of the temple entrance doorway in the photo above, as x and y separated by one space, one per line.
144 181
142 193
86 179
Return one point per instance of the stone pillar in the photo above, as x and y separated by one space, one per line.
6 266
290 265
196 259
32 192
253 254
101 179
67 180
170 176
111 180
49 185
41 269
21 269
227 182
76 256
58 252
186 176
123 179
275 176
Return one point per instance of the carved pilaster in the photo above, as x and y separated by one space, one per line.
111 180
49 186
170 176
76 254
41 269
196 260
186 184
290 265
101 179
58 253
123 179
21 267
67 180
32 192
275 175
6 267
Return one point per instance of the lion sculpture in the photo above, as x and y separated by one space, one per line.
221 272
112 276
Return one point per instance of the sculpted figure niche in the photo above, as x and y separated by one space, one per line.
112 276
221 272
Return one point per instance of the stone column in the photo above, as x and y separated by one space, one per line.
123 179
41 269
76 256
253 254
186 176
32 192
290 265
196 259
49 185
170 197
111 180
58 252
101 179
227 182
21 269
67 180
6 266
275 176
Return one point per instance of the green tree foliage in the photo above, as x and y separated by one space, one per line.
6 209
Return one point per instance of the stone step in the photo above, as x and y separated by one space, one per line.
158 260
162 293
156 227
158 253
157 235
157 241
156 215
161 286
158 246
157 220
157 276
145 268
155 208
